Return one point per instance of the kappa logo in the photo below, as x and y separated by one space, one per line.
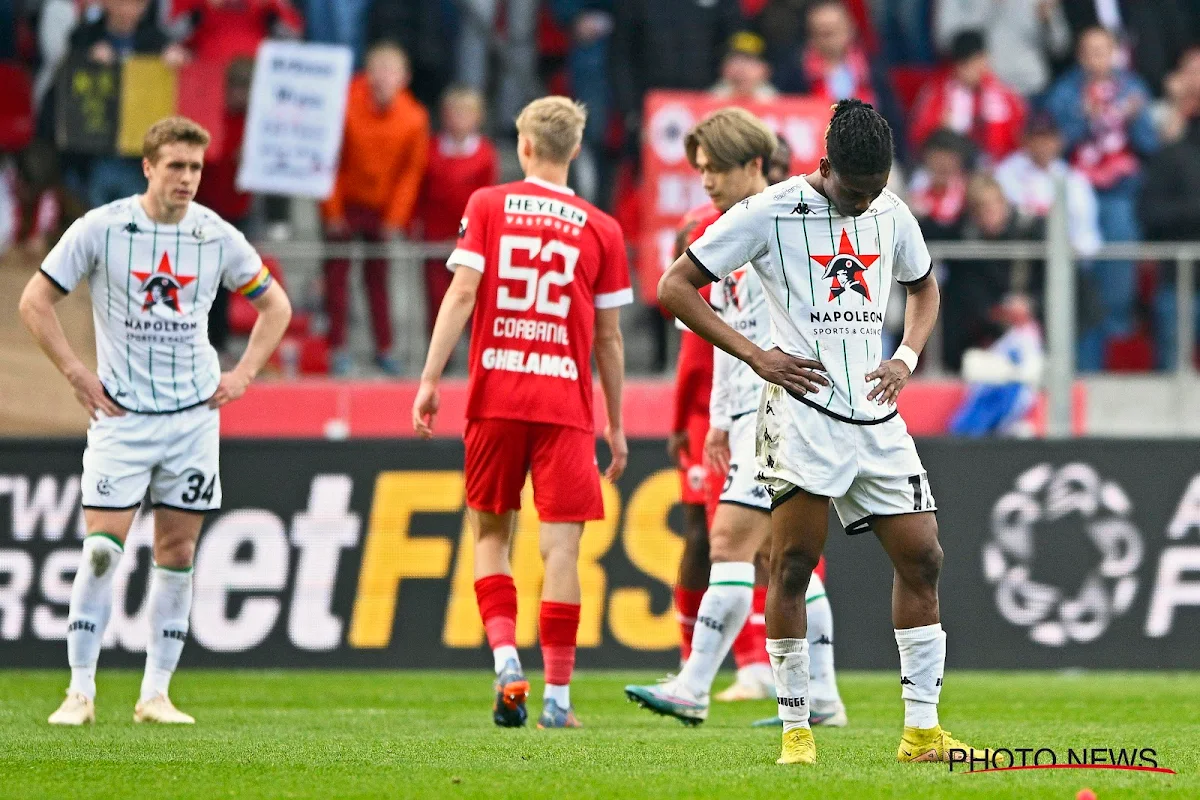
1049 503
904 681
802 208
162 286
824 639
132 227
845 269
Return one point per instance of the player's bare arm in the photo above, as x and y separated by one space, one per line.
274 314
716 449
920 315
679 293
610 364
451 319
41 319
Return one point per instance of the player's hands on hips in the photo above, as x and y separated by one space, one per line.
677 445
716 449
620 453
89 391
796 375
425 409
232 386
892 376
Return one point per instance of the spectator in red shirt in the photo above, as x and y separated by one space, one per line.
222 30
461 160
970 100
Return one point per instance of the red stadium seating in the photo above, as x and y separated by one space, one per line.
16 107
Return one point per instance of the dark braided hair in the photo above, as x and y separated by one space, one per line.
858 140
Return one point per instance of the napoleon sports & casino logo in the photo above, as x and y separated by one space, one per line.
258 572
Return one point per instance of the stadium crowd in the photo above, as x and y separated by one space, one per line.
990 99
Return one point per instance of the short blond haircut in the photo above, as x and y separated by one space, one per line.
555 126
170 131
731 137
463 94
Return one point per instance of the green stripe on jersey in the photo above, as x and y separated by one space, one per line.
783 264
107 282
813 599
731 583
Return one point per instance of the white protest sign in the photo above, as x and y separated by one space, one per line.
296 117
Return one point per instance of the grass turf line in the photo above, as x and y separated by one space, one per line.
426 734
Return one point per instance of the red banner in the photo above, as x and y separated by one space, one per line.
671 188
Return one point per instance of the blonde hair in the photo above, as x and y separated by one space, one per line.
980 184
731 137
170 131
463 94
555 126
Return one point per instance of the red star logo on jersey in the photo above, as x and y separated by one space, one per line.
162 286
845 268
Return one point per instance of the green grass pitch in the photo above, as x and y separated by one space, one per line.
423 734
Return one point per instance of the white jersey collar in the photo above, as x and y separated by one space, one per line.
554 187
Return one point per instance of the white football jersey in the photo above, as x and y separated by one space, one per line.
826 279
740 300
152 286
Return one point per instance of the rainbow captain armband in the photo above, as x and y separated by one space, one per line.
256 285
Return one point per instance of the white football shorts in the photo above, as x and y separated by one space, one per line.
868 470
176 456
741 486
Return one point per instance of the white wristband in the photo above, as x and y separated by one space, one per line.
908 356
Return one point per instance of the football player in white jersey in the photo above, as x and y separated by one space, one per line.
153 263
732 149
826 247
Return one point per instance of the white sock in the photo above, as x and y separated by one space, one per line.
922 662
559 694
170 601
501 656
822 681
723 611
91 605
756 672
789 662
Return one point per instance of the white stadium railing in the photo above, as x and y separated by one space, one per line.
1058 302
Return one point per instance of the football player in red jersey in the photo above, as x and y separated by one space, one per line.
545 274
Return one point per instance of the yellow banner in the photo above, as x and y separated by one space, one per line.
149 92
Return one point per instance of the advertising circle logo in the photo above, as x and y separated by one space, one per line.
668 126
1047 502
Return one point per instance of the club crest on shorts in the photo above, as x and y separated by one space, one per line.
846 269
103 487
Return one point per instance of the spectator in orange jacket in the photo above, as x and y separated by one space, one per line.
384 154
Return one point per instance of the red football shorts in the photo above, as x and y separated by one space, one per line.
693 477
500 453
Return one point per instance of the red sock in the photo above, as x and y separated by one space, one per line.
750 646
558 623
497 598
687 603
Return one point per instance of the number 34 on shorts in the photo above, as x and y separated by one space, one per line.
176 457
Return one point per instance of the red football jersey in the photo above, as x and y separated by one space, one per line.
693 370
549 259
